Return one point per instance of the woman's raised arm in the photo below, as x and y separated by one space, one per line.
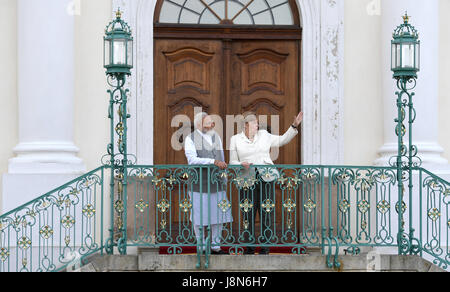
280 141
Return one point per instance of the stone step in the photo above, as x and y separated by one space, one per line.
148 261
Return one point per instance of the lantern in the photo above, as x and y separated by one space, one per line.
118 47
405 51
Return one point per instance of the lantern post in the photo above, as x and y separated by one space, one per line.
405 63
118 62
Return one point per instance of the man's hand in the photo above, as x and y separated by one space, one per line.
246 165
220 164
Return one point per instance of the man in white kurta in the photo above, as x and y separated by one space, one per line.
204 147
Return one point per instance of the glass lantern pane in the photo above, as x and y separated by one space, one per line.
119 52
418 56
408 55
107 53
130 53
393 56
398 56
118 26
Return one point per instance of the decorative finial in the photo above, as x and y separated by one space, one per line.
406 17
119 13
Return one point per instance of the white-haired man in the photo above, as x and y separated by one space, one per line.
204 147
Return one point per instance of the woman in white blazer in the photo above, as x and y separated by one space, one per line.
252 147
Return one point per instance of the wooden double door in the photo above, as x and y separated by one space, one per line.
224 78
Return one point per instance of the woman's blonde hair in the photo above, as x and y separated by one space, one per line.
249 117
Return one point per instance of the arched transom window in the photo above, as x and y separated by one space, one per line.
239 12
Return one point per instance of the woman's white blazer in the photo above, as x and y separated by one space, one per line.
257 152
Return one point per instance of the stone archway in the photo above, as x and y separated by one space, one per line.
322 79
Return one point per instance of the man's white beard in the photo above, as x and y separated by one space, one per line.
210 133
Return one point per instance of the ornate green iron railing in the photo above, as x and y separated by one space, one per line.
434 219
327 207
59 228
331 208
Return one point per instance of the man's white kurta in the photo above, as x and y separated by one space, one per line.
215 214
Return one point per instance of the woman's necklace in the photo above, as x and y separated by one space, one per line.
248 136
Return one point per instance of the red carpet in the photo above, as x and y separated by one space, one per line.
193 250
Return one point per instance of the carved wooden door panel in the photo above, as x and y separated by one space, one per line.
188 74
224 77
266 81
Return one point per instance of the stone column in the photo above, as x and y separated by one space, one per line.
46 154
425 17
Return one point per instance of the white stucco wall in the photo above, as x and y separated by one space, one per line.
91 99
444 75
8 84
363 99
